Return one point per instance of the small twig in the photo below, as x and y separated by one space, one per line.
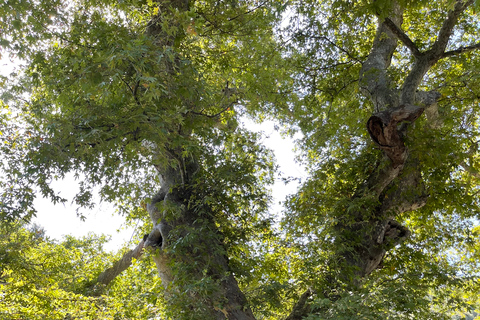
338 47
249 11
133 91
216 114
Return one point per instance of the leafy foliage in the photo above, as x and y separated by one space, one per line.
45 279
115 91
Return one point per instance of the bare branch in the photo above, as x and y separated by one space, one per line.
121 265
402 36
461 50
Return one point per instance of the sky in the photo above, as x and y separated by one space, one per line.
59 220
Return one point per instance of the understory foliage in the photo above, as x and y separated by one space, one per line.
130 96
46 279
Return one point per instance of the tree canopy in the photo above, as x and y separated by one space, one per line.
143 102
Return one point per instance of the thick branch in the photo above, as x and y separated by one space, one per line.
424 62
420 67
118 267
427 98
402 36
381 232
301 308
445 32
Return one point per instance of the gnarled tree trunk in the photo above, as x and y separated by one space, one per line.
363 238
188 248
174 220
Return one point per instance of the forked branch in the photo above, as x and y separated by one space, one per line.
429 58
445 32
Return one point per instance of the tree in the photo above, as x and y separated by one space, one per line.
367 192
43 279
144 100
142 95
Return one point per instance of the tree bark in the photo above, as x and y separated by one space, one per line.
185 241
226 300
363 236
374 81
366 237
388 128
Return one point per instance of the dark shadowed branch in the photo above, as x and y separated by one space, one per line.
301 308
461 50
402 37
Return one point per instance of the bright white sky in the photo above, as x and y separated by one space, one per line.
59 220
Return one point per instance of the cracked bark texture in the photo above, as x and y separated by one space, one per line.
365 237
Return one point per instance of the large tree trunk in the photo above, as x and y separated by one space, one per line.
398 190
189 248
364 236
184 242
